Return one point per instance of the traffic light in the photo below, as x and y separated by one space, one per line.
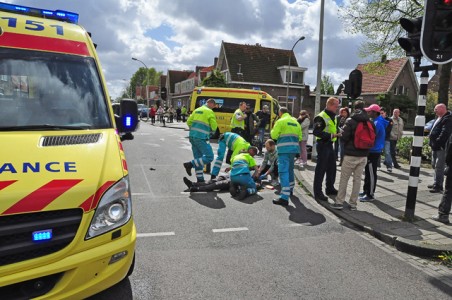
163 93
436 38
354 84
411 44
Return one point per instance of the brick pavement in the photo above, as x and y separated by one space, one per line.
383 217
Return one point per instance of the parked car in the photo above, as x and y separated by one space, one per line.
143 111
428 127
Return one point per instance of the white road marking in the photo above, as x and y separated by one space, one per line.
293 225
229 229
153 234
147 181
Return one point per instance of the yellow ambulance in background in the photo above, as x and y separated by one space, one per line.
66 226
228 100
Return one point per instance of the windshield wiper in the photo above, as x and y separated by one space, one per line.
45 127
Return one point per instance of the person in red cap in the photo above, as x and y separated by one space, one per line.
370 178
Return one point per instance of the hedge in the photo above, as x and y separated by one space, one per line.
404 146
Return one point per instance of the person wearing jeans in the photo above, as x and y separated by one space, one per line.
439 134
264 120
387 149
445 204
304 121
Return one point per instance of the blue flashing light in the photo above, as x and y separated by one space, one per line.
42 235
60 15
128 121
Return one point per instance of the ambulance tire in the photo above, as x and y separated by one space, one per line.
132 267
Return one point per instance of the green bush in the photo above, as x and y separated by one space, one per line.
404 146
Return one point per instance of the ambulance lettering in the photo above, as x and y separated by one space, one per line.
37 167
33 25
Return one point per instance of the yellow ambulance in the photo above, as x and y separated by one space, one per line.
66 226
228 100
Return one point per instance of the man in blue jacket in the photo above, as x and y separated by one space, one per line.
370 178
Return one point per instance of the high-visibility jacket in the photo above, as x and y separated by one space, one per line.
287 132
331 124
201 122
242 163
236 123
235 142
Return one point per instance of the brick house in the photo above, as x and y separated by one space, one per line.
181 90
392 78
266 69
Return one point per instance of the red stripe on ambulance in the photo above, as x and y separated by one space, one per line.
4 184
25 41
40 198
93 200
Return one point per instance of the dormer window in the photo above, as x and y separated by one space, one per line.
295 76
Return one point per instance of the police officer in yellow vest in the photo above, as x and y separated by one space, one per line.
238 120
287 133
201 122
325 132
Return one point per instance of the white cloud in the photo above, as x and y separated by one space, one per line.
181 34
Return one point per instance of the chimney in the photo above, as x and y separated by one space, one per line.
215 62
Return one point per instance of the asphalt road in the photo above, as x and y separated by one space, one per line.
211 246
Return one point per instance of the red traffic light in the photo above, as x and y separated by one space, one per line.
446 2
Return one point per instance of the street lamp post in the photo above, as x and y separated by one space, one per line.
290 75
147 96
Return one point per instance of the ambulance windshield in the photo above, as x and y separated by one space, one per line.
44 91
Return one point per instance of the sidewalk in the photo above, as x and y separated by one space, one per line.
382 217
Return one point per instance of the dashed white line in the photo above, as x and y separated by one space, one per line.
153 234
294 225
229 229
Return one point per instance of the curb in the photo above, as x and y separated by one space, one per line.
167 126
402 244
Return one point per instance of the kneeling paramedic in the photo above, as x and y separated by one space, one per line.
235 144
241 176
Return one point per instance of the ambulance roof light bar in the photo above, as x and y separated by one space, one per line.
59 15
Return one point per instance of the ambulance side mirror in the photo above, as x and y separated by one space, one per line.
127 120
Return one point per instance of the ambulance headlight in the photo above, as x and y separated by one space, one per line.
114 209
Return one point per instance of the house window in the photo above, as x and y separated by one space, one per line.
400 90
297 77
3 77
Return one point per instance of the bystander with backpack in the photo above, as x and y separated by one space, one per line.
370 177
358 137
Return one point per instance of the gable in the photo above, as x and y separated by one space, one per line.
254 63
379 78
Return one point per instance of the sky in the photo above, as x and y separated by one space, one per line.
183 34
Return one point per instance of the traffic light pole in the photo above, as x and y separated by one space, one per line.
418 141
